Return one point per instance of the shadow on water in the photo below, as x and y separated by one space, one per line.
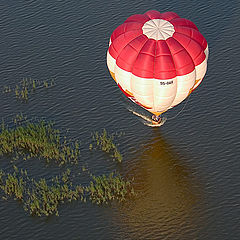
167 192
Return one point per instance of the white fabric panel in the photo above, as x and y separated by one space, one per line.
206 51
111 62
184 85
142 90
201 69
144 100
164 93
154 93
123 78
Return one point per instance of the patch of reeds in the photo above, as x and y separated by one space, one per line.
12 185
27 86
105 142
37 139
42 197
39 197
108 188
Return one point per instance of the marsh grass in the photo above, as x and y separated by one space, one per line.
27 87
39 197
105 142
39 140
105 189
42 197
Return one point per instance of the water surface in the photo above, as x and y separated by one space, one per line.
187 171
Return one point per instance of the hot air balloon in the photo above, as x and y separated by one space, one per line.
157 59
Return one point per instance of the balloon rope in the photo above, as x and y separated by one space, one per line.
181 109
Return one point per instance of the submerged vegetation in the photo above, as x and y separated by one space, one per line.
39 197
104 189
37 139
27 86
42 198
27 139
104 142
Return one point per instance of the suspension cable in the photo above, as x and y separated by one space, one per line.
181 109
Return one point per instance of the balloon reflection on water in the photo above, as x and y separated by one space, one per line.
167 192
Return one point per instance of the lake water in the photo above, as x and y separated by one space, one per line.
187 172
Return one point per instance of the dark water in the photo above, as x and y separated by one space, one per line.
187 172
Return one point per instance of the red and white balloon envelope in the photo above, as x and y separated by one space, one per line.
157 59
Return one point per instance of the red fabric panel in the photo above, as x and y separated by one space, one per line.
128 55
153 14
140 18
164 65
183 22
193 48
168 16
125 27
144 66
149 47
182 60
193 34
162 48
138 42
120 42
127 58
198 37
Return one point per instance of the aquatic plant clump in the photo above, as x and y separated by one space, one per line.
104 142
105 189
40 140
39 197
42 198
13 185
27 86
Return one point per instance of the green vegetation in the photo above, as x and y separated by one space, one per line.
105 189
39 140
43 199
39 197
27 139
104 142
26 87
